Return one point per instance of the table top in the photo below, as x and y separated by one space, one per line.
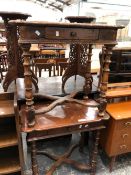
120 110
80 19
52 32
64 117
62 24
14 15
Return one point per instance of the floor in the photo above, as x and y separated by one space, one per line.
122 165
60 145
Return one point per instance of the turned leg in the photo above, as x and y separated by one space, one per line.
82 141
113 159
34 159
94 154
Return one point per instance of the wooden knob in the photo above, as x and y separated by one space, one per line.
128 123
123 146
73 34
124 135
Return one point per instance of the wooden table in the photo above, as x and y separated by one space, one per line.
14 71
76 115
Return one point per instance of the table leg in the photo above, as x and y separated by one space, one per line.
94 154
34 159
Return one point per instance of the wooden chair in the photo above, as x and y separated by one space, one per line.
48 53
62 53
61 67
42 63
58 60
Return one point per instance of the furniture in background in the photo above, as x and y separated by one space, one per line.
50 64
116 138
120 67
48 116
43 63
11 156
62 67
14 71
52 52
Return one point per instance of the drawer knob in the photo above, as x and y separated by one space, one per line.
124 135
123 146
128 124
73 34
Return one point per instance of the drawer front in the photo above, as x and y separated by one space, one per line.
39 33
66 33
122 148
36 135
107 34
121 139
124 125
75 128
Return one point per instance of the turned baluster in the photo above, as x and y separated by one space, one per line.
94 154
34 159
104 79
30 112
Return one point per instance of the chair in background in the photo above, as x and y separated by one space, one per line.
61 67
62 53
48 53
46 64
62 61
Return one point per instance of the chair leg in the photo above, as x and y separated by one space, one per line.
34 159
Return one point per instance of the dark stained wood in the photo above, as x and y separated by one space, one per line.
120 70
80 19
13 15
62 118
13 54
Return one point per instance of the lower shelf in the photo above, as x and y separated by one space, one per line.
9 161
